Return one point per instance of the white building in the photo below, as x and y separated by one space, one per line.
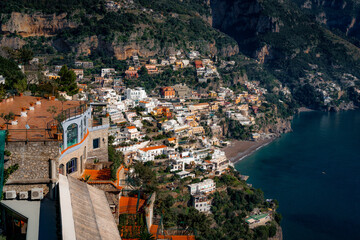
132 148
201 203
108 95
130 116
131 132
149 153
206 186
147 105
219 161
107 71
115 114
136 94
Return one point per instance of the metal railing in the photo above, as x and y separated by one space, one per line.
31 135
68 113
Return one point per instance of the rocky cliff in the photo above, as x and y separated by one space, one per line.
37 24
340 14
244 21
119 33
291 44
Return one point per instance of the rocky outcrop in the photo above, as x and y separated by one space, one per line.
244 21
229 50
279 127
37 24
262 53
341 14
123 51
12 42
278 235
87 46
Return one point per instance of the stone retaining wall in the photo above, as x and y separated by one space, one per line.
34 160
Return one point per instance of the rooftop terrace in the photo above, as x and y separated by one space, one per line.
33 117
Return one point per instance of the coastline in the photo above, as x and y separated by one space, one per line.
305 109
238 150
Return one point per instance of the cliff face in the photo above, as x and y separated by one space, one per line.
339 14
94 33
244 21
36 24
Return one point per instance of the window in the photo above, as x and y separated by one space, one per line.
85 125
72 134
96 143
81 131
61 169
71 166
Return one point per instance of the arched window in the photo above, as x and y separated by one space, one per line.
72 134
61 169
71 166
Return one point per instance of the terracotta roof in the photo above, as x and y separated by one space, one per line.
152 148
103 174
131 127
171 139
201 104
128 205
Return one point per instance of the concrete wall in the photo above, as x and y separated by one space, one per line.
149 211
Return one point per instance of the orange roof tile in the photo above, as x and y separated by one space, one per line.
152 148
103 174
131 127
128 204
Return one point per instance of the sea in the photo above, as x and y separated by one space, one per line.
314 173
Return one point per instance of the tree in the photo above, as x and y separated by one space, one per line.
15 79
2 91
278 217
143 176
7 117
67 81
62 99
20 85
25 55
52 110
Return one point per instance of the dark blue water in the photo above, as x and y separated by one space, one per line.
314 172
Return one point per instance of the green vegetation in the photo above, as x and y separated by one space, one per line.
144 177
237 131
51 6
116 157
15 79
10 170
230 207
67 81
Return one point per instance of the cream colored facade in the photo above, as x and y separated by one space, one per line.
91 145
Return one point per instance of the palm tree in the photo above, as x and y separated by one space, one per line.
146 236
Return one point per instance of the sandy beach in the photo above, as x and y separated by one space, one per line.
240 149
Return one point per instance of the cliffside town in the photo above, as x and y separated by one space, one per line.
115 115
